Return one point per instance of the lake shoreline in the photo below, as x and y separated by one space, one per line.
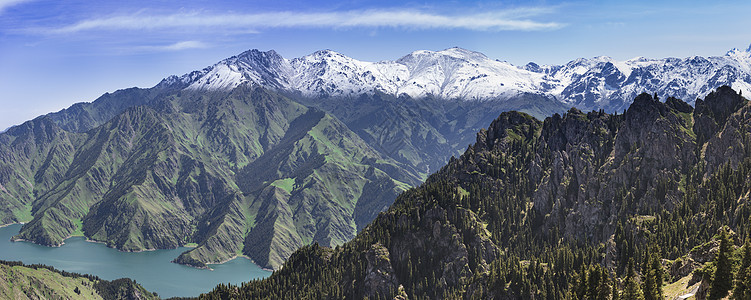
153 269
86 239
240 256
6 225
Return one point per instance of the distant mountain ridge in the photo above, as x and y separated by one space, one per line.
455 73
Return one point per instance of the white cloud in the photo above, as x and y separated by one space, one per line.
8 3
176 46
516 19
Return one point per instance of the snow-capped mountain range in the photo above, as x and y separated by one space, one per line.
456 73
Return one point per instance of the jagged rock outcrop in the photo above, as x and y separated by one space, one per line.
380 278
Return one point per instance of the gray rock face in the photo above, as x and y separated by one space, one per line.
589 167
712 112
380 278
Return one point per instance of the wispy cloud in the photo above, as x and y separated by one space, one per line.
516 19
175 47
8 3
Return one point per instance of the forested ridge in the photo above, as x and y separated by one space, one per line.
579 206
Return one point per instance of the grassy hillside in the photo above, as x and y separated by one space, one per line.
424 133
213 169
18 281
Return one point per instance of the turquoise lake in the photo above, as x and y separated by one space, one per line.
152 269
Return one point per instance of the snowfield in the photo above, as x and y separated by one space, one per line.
460 74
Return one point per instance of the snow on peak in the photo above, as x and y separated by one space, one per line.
463 53
450 73
738 53
457 73
639 59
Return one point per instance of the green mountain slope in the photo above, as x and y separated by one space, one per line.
33 158
205 168
82 117
424 133
560 209
18 281
161 167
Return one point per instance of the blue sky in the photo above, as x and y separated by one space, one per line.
56 53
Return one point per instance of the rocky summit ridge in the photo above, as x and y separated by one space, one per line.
456 73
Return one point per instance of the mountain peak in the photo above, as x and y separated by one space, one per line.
639 59
458 73
735 52
461 52
326 53
257 53
455 52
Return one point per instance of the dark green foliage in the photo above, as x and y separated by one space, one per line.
615 294
653 275
742 283
123 288
722 279
632 287
657 273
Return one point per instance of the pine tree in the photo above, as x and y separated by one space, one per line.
657 275
614 294
632 289
742 286
603 291
653 275
723 277
648 287
593 281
